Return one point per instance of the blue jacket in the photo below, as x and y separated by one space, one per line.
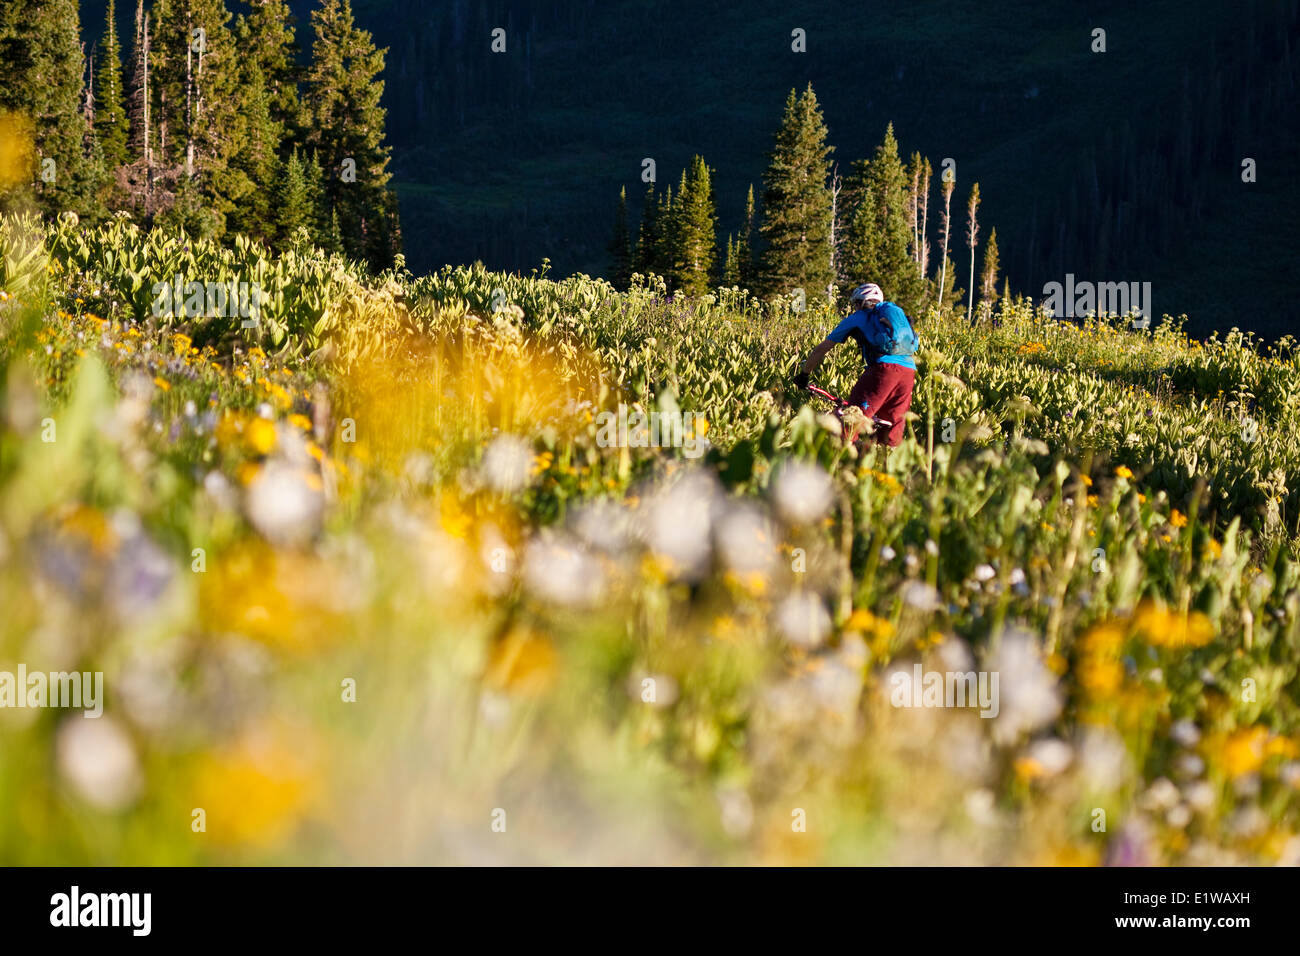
865 328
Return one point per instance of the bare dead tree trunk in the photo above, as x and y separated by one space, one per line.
148 148
925 218
88 99
947 228
913 207
835 240
189 106
972 236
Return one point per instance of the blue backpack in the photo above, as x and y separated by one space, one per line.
892 333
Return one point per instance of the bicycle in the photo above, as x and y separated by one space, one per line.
881 425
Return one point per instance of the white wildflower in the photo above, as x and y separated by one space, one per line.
803 620
507 463
802 491
98 759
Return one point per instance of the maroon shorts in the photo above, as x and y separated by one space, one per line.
885 391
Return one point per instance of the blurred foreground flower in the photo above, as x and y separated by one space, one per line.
1030 698
1169 629
96 756
745 539
16 151
803 620
285 504
508 464
678 524
562 572
802 492
255 792
523 662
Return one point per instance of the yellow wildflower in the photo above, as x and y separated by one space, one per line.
1163 628
523 662
1243 751
256 792
260 436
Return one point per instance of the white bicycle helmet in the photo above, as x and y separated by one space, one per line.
863 294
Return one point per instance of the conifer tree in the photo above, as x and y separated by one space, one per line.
745 245
255 160
647 238
731 264
877 243
334 235
269 55
665 234
324 224
270 113
837 214
949 294
694 233
88 99
111 127
294 208
343 91
989 275
796 225
620 244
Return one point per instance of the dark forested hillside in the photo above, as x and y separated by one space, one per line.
1121 165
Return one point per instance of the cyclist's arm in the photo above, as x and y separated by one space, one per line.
816 355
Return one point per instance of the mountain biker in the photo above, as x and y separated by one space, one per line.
887 341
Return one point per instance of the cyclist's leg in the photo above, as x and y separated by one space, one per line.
896 403
866 392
